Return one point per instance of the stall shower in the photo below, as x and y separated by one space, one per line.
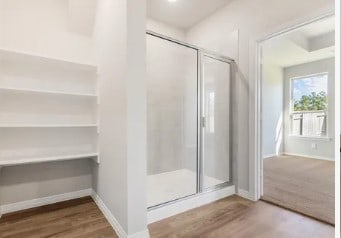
189 120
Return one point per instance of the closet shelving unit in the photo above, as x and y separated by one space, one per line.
48 109
35 91
47 125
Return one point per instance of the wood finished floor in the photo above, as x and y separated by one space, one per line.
71 219
230 217
236 217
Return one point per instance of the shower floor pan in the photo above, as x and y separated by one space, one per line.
168 186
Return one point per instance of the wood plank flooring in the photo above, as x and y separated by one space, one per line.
71 219
230 217
236 217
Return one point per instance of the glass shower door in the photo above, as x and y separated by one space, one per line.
172 120
216 159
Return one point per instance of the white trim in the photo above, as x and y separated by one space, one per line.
269 156
314 138
113 221
42 91
190 203
13 207
245 194
255 107
291 104
7 51
300 155
308 156
109 216
52 126
12 162
141 234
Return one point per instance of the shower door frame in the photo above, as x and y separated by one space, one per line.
201 118
200 159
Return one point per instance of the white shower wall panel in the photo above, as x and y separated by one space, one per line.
171 100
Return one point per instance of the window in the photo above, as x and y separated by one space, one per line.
309 105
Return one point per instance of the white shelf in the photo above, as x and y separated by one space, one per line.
47 125
49 109
35 91
20 54
47 159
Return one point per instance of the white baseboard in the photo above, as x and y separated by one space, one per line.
309 156
269 156
154 215
141 234
190 203
109 216
13 207
298 154
245 194
113 221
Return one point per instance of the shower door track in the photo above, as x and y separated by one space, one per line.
199 188
199 49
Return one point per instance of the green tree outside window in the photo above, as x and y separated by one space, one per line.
312 102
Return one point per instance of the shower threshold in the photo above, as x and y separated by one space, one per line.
169 186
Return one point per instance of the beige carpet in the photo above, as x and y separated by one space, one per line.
301 184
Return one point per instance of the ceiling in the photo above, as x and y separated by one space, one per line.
307 44
182 13
318 28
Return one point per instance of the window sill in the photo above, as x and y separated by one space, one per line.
311 138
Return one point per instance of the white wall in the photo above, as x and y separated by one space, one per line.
47 29
21 183
41 27
303 146
120 178
53 28
171 105
110 176
136 84
252 19
165 29
272 109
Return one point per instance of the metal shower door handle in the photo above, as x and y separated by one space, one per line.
203 121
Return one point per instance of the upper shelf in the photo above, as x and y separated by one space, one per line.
13 54
47 125
35 91
47 159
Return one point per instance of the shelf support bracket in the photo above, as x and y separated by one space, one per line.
96 159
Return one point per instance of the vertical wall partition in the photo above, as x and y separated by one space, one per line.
188 119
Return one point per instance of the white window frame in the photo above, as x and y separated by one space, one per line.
291 106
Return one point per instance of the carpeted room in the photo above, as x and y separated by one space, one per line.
301 184
298 128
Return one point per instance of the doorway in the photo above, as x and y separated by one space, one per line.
298 117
